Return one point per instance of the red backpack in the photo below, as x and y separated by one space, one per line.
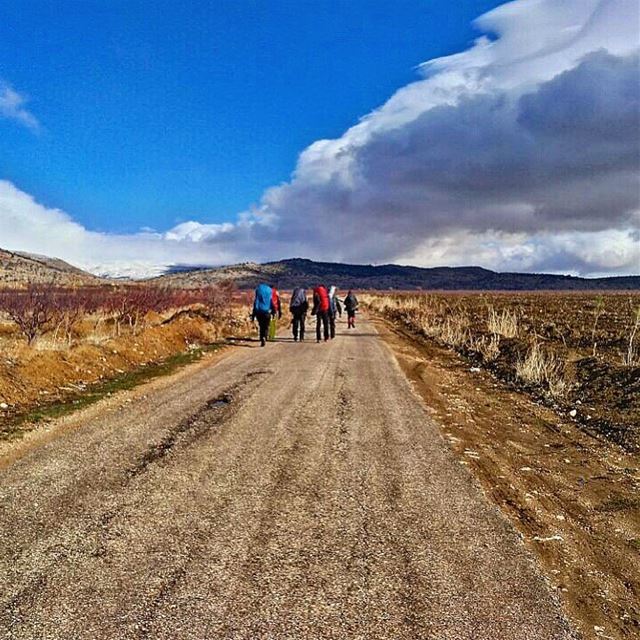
323 298
275 299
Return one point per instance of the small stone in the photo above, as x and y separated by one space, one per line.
4 405
573 413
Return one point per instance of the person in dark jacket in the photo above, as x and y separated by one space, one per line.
263 310
351 305
335 309
299 307
321 304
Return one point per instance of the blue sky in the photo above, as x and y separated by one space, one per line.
156 112
139 135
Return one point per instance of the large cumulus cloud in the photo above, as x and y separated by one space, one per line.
521 141
521 152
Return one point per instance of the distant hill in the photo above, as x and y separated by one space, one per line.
17 269
286 274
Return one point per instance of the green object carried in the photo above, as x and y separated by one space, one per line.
273 328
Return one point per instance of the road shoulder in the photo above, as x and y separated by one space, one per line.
47 431
572 498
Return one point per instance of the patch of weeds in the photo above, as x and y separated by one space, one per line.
17 425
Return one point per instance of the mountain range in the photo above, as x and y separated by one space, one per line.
286 274
18 269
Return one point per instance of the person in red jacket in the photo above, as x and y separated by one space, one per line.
321 308
277 313
275 299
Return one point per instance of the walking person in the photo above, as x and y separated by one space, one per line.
263 310
334 309
277 311
321 305
351 305
299 306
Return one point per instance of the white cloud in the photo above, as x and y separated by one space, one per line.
26 225
598 253
520 153
12 106
197 232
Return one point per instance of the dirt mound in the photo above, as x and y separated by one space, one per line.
609 400
33 377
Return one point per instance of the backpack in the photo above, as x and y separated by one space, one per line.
275 299
262 301
298 298
351 302
323 298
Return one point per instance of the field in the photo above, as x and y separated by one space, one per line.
61 344
576 352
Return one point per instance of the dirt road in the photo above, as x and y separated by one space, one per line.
296 491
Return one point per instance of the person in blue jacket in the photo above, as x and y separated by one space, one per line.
263 310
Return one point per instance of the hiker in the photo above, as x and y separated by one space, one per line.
321 305
299 307
277 310
351 305
334 309
263 310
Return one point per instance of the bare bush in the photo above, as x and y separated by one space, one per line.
632 356
32 309
217 299
71 306
41 308
598 311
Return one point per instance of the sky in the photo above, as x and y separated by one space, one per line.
137 135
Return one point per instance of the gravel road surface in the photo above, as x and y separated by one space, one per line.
296 491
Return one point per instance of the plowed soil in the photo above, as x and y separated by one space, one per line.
572 494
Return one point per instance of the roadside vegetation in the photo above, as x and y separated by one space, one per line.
57 342
579 352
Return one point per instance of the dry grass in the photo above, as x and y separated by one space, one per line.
53 363
450 322
488 347
543 368
504 323
579 352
